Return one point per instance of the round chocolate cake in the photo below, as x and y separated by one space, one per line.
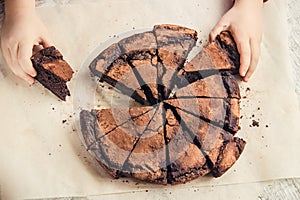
189 111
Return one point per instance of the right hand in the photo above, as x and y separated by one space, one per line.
20 32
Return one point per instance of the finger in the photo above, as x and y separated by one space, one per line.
46 43
218 28
255 54
21 74
24 55
243 45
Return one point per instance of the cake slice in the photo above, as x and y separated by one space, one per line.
174 43
112 143
221 54
144 68
138 43
220 148
97 123
53 72
185 160
224 113
147 161
223 85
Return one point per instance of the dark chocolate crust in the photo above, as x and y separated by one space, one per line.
53 72
189 131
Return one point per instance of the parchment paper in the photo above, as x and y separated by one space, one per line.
42 156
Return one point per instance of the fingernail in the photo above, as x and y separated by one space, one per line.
31 82
243 73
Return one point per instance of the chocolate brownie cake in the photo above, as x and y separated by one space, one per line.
187 128
53 72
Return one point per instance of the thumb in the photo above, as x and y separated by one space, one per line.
46 43
222 25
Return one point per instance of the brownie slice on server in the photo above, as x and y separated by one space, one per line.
224 113
221 149
185 160
111 139
147 161
174 43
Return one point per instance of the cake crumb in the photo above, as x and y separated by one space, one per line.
248 89
267 126
255 123
64 121
147 190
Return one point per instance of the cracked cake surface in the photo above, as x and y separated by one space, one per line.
188 113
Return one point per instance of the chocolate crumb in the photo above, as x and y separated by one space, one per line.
53 108
248 89
64 121
49 154
253 115
241 117
146 190
267 126
258 108
255 123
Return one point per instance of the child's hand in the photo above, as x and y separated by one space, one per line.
244 21
20 32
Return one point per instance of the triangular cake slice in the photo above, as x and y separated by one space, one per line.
223 85
224 113
145 70
53 72
97 123
185 160
148 159
138 43
221 54
221 149
174 43
112 146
